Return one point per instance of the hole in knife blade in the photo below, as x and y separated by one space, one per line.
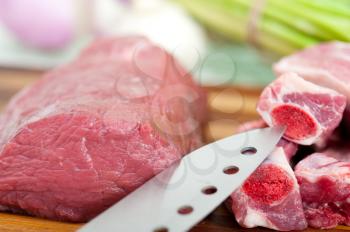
209 190
230 170
248 151
185 210
161 229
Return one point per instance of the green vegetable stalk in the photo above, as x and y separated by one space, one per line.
281 26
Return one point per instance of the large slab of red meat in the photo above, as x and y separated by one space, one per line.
90 132
324 180
270 196
310 112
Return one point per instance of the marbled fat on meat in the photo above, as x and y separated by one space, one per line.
325 64
309 112
92 131
270 196
324 176
324 180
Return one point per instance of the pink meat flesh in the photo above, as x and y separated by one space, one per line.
324 176
324 180
92 131
325 64
270 196
309 112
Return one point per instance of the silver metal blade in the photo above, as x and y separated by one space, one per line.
155 205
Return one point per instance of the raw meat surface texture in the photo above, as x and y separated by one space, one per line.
270 196
90 132
251 125
324 180
326 65
309 112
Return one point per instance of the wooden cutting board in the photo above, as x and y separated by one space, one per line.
229 107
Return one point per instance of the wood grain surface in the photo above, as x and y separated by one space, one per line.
229 107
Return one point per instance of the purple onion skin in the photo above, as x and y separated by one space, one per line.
45 24
125 2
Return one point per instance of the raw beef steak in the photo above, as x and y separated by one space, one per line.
92 131
324 180
310 112
270 197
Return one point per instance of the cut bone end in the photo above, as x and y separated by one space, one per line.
300 125
268 184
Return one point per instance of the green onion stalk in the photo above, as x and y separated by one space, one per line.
282 26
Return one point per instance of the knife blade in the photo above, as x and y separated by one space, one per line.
185 193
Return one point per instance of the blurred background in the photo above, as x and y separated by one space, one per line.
222 42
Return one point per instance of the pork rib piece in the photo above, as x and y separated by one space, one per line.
310 112
270 196
324 180
90 132
326 65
